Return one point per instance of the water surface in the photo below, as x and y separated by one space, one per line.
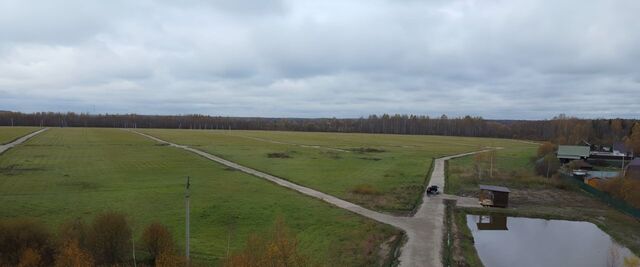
514 241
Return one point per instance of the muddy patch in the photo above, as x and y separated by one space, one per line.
278 155
15 169
83 185
370 158
367 150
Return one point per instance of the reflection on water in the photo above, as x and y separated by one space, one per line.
513 241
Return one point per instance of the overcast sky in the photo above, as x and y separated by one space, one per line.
511 59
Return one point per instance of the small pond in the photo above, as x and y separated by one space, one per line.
514 241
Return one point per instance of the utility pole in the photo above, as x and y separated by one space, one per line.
133 244
622 171
491 155
186 200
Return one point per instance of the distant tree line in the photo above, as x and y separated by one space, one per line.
561 129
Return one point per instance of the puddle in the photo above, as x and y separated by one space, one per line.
515 241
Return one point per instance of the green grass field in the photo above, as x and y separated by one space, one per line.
8 134
382 172
66 173
513 167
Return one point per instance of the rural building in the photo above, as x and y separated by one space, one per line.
618 152
570 153
494 196
621 148
633 169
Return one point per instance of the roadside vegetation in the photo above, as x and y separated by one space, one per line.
8 134
81 172
106 241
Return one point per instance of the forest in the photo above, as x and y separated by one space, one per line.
560 129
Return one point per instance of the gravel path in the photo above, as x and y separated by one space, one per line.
20 140
424 230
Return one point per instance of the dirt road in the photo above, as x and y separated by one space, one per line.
424 230
20 140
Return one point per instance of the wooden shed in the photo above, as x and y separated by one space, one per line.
494 196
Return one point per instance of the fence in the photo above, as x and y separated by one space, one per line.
604 197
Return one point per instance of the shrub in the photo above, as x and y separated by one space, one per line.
367 150
280 249
110 238
168 258
546 148
548 165
73 231
623 188
24 242
279 155
365 189
71 255
157 240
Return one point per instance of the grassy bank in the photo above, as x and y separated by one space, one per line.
8 134
67 173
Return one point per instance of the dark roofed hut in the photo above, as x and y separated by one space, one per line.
494 196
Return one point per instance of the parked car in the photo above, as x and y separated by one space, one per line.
432 190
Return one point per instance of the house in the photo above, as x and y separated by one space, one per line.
619 151
633 169
570 153
621 148
494 196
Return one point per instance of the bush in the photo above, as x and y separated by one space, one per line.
365 189
548 165
71 255
110 238
367 150
623 188
157 240
546 148
73 231
170 259
280 249
24 242
279 155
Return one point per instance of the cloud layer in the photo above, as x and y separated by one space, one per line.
524 59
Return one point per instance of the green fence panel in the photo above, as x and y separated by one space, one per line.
604 197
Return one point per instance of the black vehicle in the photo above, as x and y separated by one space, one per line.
432 190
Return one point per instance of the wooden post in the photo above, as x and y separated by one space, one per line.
186 199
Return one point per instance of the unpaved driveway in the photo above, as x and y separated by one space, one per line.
20 140
424 230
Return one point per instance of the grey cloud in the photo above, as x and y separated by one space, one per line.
498 59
